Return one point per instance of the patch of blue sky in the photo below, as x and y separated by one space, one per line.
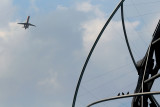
24 4
26 7
21 5
105 5
52 4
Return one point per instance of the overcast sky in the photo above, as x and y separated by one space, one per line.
40 66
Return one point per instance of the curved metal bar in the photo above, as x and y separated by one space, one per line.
91 51
125 34
124 96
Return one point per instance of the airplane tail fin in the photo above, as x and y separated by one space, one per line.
28 19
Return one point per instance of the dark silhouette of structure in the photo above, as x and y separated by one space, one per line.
146 68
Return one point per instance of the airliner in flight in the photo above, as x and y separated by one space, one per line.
27 24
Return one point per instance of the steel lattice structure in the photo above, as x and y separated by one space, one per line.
145 68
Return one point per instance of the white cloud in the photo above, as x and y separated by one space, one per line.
2 34
51 82
88 7
93 27
84 7
27 55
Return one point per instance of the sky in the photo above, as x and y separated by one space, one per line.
40 66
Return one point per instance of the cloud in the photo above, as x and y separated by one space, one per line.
36 63
51 82
110 41
85 7
88 7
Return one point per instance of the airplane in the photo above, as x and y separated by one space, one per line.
27 24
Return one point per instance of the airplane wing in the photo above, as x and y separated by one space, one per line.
21 23
31 24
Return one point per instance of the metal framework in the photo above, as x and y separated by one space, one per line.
144 67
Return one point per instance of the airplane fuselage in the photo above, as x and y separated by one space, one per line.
27 25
